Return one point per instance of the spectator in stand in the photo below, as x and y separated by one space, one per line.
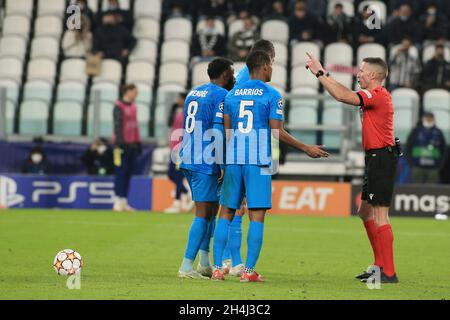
416 6
209 42
179 8
98 158
182 201
433 24
112 40
340 25
425 151
318 8
85 11
303 25
77 43
404 25
127 142
37 162
275 11
213 8
123 17
240 44
363 34
404 67
254 7
436 72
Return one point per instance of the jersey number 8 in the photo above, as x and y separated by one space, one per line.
190 119
246 113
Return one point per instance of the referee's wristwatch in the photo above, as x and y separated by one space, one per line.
322 73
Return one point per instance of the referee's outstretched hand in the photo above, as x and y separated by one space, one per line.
316 152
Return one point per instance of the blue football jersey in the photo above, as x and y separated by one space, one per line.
203 108
251 106
243 76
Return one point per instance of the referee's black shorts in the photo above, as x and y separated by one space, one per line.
379 176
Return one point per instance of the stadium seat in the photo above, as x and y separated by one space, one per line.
12 90
275 30
145 50
10 110
124 5
175 51
16 25
109 92
51 7
406 110
301 77
279 76
73 70
412 51
234 27
428 53
161 158
349 8
11 69
146 28
171 87
71 91
338 53
67 118
111 72
143 115
437 101
13 46
178 29
281 56
145 93
173 72
378 7
38 90
20 7
42 69
333 115
201 25
299 50
33 117
45 47
140 72
148 8
106 119
304 112
370 50
200 73
48 26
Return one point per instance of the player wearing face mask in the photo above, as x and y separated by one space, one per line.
426 150
98 159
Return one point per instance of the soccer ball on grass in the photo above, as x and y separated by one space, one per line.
68 262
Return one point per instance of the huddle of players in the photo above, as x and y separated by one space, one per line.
236 111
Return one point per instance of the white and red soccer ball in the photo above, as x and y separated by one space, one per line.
68 262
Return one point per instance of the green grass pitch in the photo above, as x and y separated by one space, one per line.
136 256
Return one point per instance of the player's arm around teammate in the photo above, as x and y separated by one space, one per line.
381 154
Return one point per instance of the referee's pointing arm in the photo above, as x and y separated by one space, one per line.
368 73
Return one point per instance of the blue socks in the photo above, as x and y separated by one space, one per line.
196 234
254 243
235 239
220 241
204 247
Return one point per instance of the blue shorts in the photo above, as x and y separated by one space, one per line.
204 187
246 180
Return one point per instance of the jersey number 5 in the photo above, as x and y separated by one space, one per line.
245 113
190 119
